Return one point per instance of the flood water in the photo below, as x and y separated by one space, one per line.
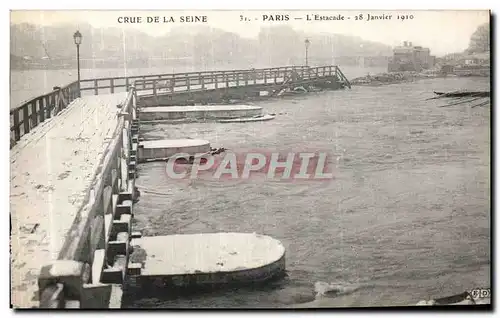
406 217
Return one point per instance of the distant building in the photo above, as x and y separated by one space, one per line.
477 64
411 58
481 59
466 64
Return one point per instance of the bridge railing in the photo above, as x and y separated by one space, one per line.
113 84
96 248
35 111
223 79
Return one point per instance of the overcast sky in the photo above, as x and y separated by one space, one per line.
442 31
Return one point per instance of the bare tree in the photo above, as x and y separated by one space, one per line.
480 39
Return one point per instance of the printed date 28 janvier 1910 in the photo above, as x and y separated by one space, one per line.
360 17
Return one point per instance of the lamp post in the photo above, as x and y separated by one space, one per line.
78 40
307 43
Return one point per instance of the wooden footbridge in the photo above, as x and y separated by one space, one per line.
211 87
73 168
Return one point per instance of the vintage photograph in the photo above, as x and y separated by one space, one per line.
250 159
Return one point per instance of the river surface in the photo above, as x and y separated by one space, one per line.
406 217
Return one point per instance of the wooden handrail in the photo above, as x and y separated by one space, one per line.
35 111
193 73
224 79
42 96
190 75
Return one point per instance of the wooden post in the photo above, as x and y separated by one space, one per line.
172 84
17 131
265 76
75 90
41 111
127 84
202 80
62 98
154 87
34 117
275 73
26 119
70 277
96 87
226 75
188 84
48 106
245 75
216 81
55 101
144 82
112 85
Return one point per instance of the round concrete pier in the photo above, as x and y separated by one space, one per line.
165 148
208 259
199 112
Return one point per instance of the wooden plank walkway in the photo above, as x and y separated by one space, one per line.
51 169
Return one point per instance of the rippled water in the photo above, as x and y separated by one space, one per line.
406 218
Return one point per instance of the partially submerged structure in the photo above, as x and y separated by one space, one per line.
410 58
475 64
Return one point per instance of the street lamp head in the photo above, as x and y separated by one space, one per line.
307 42
77 37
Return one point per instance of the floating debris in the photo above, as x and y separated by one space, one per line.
464 93
216 151
390 78
462 97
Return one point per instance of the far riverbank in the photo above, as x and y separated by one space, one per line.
397 78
